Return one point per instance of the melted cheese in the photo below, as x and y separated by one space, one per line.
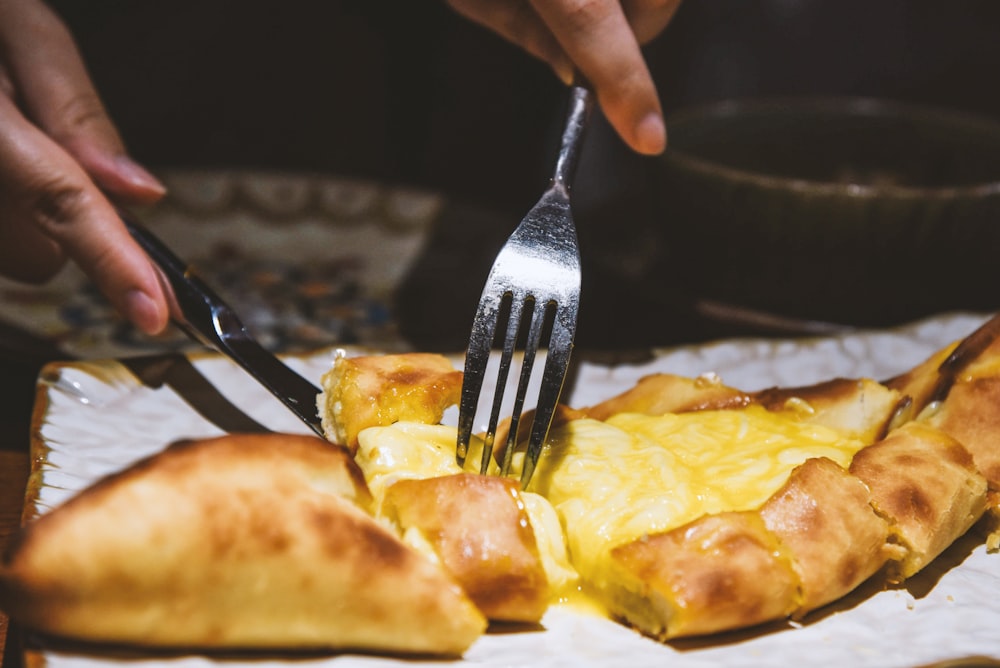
601 484
612 482
406 450
411 450
551 542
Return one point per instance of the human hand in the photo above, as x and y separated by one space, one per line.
59 155
600 38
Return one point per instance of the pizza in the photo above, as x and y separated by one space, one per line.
681 507
684 507
248 541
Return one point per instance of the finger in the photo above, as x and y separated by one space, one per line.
598 38
55 91
518 23
26 254
47 195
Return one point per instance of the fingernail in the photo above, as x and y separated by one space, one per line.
651 134
563 69
142 311
137 175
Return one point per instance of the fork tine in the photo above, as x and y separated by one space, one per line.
514 310
537 320
476 358
553 376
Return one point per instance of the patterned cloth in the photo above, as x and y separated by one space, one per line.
305 261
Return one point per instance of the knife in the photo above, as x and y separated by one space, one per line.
207 319
23 354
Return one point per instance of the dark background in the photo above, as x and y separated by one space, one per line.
409 92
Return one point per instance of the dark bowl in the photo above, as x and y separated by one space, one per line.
850 211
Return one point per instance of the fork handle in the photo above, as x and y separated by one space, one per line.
581 101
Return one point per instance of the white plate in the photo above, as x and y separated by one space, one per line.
95 418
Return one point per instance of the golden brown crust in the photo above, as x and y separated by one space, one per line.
962 379
254 541
991 525
976 355
922 384
836 541
661 393
860 408
369 391
720 572
925 484
970 414
480 531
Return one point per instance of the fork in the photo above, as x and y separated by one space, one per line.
535 281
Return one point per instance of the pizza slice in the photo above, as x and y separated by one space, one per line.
466 520
924 482
375 390
968 412
504 545
247 542
824 496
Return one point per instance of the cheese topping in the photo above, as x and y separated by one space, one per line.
633 475
408 450
601 484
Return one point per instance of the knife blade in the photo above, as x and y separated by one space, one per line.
209 320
